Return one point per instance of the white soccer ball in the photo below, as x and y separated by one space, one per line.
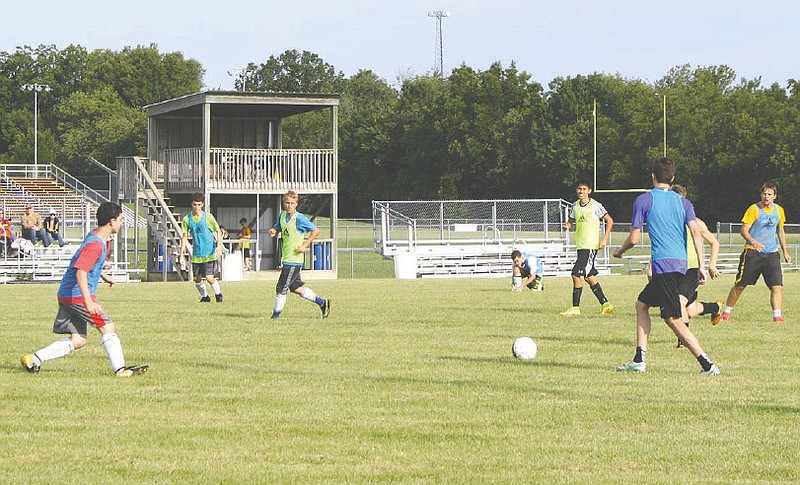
524 348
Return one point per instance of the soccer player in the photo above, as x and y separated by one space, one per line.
586 214
292 226
667 215
762 230
206 247
688 287
77 300
527 272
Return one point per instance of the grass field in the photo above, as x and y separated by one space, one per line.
405 382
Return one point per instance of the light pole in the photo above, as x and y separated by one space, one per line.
439 15
36 88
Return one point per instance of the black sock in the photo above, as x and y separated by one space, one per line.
598 292
640 355
576 296
710 308
705 362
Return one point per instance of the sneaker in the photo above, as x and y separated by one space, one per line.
133 370
715 317
218 298
777 319
726 317
712 371
608 309
326 308
572 312
632 367
29 363
275 315
205 299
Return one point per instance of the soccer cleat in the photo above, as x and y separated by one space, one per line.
205 299
715 317
632 367
218 298
726 317
133 370
326 308
712 371
608 309
572 312
29 363
275 315
777 319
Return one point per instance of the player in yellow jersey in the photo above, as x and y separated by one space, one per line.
586 215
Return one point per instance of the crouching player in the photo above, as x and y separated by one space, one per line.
528 271
77 301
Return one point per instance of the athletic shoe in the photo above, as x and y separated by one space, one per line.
572 312
632 367
715 316
205 299
680 345
133 370
608 309
275 315
29 363
777 319
726 317
218 298
712 371
326 308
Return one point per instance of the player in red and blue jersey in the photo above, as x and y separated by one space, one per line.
667 216
77 300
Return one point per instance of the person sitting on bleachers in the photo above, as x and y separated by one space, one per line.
32 226
52 229
6 233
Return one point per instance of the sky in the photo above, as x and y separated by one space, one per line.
637 39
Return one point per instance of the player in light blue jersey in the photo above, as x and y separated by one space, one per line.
667 215
527 273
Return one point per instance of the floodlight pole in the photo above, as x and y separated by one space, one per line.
665 126
36 88
439 15
594 124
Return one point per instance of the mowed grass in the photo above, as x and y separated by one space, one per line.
405 382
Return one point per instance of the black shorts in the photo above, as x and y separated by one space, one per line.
246 252
289 279
662 291
753 264
209 268
688 285
584 265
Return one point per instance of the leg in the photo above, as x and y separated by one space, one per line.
734 295
643 324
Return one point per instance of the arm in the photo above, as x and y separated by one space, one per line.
714 243
629 242
697 237
782 239
184 239
83 284
569 223
307 242
609 225
108 279
745 232
218 237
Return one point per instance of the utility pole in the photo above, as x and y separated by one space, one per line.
438 69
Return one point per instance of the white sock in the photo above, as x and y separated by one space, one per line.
727 309
309 294
216 288
280 302
113 348
59 348
201 287
776 313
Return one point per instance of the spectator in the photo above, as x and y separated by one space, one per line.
32 226
6 234
244 236
52 229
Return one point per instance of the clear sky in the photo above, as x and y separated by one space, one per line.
639 39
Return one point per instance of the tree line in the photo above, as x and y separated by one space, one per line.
473 134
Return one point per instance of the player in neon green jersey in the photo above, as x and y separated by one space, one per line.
586 215
206 247
292 227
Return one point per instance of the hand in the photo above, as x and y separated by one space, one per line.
701 276
516 289
787 257
758 246
93 307
301 248
713 272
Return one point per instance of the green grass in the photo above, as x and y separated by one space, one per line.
406 382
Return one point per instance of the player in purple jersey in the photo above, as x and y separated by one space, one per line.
667 215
